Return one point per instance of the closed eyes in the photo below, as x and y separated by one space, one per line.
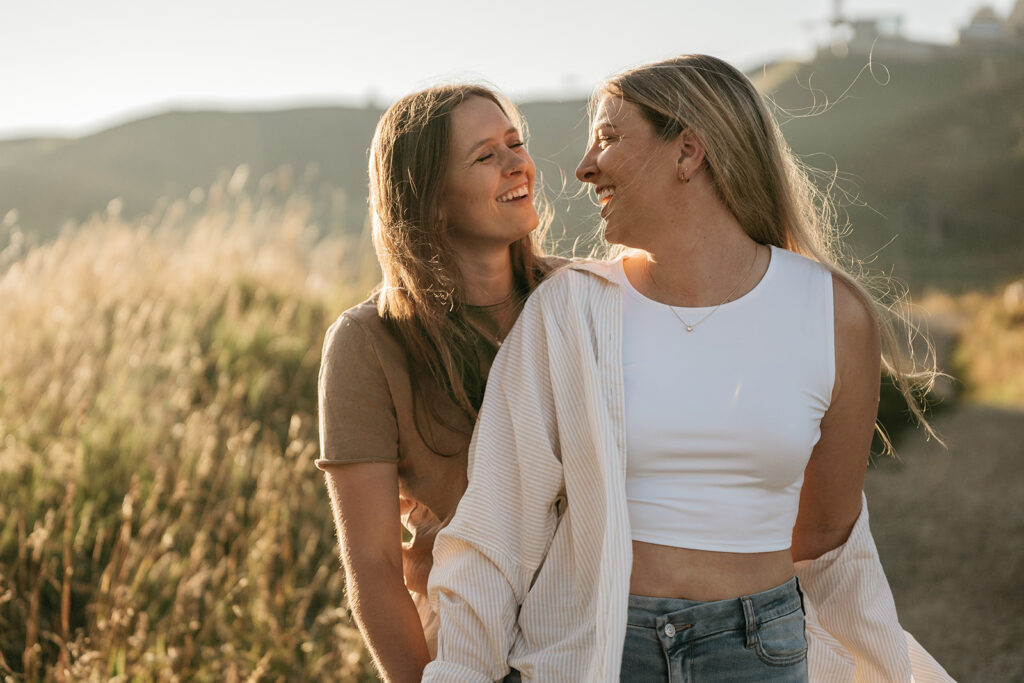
513 145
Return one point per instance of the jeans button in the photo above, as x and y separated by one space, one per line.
670 630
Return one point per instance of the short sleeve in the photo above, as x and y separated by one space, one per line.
356 410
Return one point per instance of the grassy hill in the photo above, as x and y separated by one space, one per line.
930 157
935 150
53 181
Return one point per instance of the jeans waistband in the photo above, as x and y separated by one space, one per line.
695 619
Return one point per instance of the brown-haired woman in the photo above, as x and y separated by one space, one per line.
403 373
680 425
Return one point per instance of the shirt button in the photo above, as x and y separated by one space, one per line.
670 630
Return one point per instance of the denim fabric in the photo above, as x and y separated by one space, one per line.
757 637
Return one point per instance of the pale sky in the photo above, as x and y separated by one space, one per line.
69 67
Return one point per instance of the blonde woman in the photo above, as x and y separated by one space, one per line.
680 425
403 373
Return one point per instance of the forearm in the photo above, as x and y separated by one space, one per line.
851 600
811 542
389 622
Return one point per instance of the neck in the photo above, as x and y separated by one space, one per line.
696 258
487 276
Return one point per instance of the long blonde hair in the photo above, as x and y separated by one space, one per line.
420 298
766 188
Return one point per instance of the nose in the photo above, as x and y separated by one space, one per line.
516 163
586 172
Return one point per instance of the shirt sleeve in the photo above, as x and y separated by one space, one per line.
486 558
356 411
852 624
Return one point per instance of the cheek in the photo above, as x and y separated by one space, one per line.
462 198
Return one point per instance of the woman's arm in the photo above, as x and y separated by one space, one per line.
364 499
830 500
848 595
359 451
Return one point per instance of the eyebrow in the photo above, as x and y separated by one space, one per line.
483 142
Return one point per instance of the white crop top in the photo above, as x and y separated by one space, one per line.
720 422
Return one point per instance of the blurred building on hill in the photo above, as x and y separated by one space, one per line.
985 27
878 37
881 36
989 32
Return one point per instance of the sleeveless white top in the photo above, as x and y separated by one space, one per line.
720 421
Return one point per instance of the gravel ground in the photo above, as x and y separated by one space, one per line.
949 525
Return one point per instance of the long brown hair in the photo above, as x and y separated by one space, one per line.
770 193
420 298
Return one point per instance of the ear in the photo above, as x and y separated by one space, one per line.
691 154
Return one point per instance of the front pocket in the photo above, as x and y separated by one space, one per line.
642 634
782 641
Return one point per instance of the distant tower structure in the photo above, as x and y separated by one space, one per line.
1015 22
841 31
837 13
880 36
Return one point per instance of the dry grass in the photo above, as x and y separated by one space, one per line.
160 515
989 355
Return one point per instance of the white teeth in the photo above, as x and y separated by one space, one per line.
605 194
521 191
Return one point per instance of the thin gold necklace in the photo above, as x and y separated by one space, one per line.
492 312
493 336
688 326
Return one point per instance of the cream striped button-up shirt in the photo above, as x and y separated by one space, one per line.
533 571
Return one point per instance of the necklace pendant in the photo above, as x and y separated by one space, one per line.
689 328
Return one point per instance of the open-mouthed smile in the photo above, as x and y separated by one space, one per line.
518 193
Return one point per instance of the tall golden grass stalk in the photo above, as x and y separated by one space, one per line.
160 516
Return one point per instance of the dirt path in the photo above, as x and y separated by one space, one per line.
950 530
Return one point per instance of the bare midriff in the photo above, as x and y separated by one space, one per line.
664 571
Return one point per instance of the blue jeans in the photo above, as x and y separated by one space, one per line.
752 638
757 637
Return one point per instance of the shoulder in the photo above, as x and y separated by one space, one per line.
548 263
854 316
359 354
363 314
356 332
577 274
799 265
858 343
563 291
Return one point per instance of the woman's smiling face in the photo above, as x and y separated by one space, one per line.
631 167
487 199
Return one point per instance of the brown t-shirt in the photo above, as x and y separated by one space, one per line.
366 415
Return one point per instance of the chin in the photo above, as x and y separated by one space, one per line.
530 225
611 236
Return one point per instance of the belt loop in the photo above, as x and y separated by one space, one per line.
748 616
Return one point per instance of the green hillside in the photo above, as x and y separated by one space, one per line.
930 155
171 154
935 150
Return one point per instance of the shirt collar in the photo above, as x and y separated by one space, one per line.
603 269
